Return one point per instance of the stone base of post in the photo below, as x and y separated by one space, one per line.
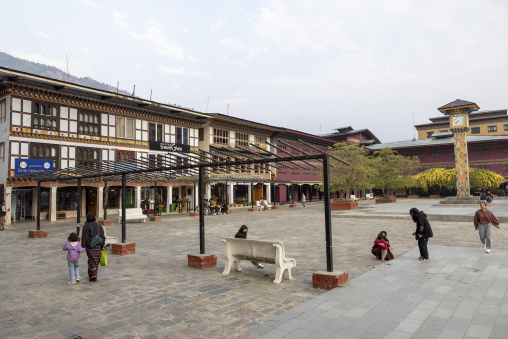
202 261
252 209
194 214
37 234
156 218
106 222
292 205
123 249
275 207
329 280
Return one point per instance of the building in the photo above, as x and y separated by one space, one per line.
305 176
484 122
352 136
66 125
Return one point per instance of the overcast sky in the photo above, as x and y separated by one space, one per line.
306 65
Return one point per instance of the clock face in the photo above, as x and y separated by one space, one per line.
458 120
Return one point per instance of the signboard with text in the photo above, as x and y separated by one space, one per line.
27 166
168 147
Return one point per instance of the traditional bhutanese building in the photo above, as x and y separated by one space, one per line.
60 125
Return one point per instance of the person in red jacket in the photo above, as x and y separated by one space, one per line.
483 221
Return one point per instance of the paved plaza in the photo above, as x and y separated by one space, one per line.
154 294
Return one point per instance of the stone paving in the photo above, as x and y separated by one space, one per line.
154 294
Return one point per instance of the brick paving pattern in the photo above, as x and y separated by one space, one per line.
154 294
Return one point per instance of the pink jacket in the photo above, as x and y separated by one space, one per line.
74 249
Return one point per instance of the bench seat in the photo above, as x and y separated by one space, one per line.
132 214
271 252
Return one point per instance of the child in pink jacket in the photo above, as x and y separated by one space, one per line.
73 248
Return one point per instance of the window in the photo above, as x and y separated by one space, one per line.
125 128
452 154
3 110
242 139
282 170
88 123
505 168
492 129
44 151
475 130
420 156
260 141
314 171
45 117
506 127
435 155
155 132
505 150
306 171
429 134
125 155
88 157
220 137
295 170
483 152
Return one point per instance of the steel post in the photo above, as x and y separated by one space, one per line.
328 215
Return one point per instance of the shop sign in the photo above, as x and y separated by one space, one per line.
27 166
168 147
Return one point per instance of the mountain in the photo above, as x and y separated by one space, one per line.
8 61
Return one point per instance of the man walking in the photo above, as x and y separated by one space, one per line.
303 200
3 212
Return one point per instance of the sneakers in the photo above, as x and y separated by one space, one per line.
488 250
260 266
78 280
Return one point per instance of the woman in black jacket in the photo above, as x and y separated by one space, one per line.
423 231
90 229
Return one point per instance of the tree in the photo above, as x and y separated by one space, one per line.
434 177
357 175
395 171
478 178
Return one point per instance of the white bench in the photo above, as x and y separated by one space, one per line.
109 240
271 252
369 195
353 197
132 214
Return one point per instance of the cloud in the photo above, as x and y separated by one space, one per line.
175 71
164 45
233 44
85 49
185 30
199 74
218 24
44 35
193 59
175 86
234 62
89 3
119 19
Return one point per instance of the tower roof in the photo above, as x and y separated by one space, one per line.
459 103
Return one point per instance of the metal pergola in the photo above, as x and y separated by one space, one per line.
189 168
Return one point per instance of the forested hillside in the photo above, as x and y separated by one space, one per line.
17 64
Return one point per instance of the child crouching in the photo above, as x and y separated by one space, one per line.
73 248
383 246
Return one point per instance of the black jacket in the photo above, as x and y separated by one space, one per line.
89 231
422 226
241 234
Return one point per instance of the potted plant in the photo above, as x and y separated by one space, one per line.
160 207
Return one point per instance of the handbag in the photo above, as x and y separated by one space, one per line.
96 239
104 258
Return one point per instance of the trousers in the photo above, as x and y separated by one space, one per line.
485 231
422 245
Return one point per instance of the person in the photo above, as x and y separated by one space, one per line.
73 248
490 198
3 212
90 229
303 200
479 191
383 246
485 196
483 221
242 234
423 232
376 249
224 207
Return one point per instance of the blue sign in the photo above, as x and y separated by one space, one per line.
27 166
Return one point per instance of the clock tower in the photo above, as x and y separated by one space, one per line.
459 111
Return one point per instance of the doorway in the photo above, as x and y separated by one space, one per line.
91 200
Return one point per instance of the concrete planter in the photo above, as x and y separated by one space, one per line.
343 205
385 201
413 196
434 196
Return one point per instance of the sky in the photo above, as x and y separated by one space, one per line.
307 65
